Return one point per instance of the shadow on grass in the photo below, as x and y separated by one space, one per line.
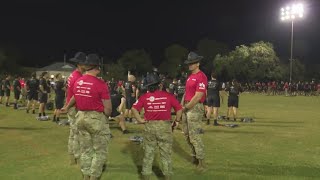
180 151
281 122
21 128
275 125
232 131
275 170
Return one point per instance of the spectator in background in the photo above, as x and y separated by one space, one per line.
17 91
7 89
59 90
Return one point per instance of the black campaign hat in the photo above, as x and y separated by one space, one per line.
92 59
152 79
79 57
193 58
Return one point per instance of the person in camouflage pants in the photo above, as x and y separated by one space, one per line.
157 134
73 141
192 128
94 136
158 128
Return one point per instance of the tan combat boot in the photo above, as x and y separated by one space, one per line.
201 166
93 178
86 177
146 177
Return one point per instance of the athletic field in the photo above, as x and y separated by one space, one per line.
282 143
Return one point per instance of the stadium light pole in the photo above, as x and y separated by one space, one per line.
291 13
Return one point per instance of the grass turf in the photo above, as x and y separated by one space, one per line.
282 143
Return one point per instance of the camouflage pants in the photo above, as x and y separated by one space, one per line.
157 134
94 136
192 128
73 142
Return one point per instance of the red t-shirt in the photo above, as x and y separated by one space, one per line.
89 92
74 76
318 87
22 83
157 105
196 83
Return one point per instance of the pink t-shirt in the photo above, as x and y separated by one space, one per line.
89 92
196 83
157 105
74 76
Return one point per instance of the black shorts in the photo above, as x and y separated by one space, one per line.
233 102
1 93
114 113
130 101
32 95
43 97
7 92
213 101
17 95
59 102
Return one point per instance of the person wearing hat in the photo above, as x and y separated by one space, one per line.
92 99
195 94
157 106
73 141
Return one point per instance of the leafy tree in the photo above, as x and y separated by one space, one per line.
136 60
255 62
116 71
174 58
209 49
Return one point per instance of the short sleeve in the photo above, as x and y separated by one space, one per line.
105 94
138 104
201 85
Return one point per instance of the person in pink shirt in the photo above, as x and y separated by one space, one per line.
195 94
73 142
157 106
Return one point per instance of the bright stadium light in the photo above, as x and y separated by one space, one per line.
291 13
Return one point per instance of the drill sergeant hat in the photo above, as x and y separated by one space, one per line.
79 58
193 58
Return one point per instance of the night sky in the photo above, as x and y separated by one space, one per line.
42 31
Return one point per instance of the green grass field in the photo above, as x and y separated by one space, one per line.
283 143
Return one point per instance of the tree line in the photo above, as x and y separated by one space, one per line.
253 62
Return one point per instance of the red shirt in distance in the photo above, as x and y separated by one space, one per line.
74 76
196 83
89 92
157 105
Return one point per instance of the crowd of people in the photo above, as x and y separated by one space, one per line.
90 102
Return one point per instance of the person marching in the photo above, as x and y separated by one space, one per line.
59 89
92 99
233 99
32 89
118 102
44 88
193 109
213 99
17 91
157 105
73 141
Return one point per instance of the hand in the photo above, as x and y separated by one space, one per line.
184 109
64 109
174 125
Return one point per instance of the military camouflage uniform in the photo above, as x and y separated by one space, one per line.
94 135
193 131
73 142
157 134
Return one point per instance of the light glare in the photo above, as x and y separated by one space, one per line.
292 12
